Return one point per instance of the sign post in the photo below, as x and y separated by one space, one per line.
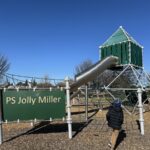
69 119
86 102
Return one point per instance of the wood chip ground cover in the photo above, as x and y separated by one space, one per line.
91 135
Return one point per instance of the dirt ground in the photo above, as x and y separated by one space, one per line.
91 135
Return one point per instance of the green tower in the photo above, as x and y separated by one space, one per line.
122 45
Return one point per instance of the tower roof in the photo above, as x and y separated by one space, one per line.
118 37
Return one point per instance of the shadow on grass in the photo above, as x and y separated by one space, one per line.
47 127
95 112
138 123
82 112
121 137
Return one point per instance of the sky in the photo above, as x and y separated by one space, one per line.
51 37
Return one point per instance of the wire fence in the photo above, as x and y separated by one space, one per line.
12 80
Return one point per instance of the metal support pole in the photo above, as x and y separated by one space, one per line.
86 103
133 69
141 118
98 100
117 76
69 119
1 129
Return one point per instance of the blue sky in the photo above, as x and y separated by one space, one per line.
51 37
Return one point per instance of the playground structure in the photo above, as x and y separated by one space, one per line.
120 52
129 54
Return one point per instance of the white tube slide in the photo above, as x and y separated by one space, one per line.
94 71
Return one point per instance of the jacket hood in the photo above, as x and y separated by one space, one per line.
117 108
116 104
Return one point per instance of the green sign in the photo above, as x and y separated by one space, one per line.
29 104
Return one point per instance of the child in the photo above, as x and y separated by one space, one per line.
115 118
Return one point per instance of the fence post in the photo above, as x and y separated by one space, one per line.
1 129
141 118
86 102
69 119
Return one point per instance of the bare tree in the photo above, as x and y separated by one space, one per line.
46 79
61 84
83 66
4 65
45 82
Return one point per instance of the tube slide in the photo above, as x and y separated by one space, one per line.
94 71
